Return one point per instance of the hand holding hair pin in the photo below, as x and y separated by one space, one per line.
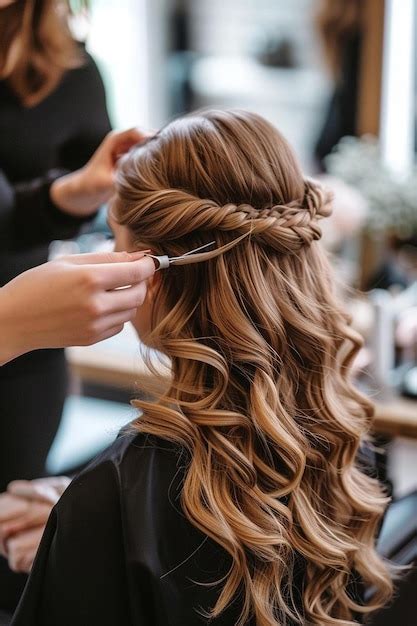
194 256
164 261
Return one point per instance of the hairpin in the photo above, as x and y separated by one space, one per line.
164 261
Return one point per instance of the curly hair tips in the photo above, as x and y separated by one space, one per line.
260 351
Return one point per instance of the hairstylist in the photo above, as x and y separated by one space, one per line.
73 300
69 301
52 118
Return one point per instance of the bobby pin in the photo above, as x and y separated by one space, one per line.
164 261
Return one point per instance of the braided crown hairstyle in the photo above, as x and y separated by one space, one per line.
260 352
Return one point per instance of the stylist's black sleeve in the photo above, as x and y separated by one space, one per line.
22 227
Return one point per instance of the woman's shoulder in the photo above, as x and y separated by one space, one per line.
152 465
142 448
132 447
129 464
85 76
134 485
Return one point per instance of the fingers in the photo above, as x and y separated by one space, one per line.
11 509
21 550
11 506
58 483
27 505
124 300
121 142
37 514
23 489
112 311
117 319
110 332
93 258
114 275
130 136
27 561
109 325
42 489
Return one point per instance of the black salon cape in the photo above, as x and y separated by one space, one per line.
118 551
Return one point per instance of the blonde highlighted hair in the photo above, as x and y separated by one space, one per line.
260 352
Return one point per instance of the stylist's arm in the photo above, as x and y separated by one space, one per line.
76 300
71 301
80 193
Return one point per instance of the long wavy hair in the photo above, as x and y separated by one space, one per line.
260 352
37 47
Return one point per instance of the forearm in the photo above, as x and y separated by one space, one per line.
60 303
11 337
8 350
73 194
36 219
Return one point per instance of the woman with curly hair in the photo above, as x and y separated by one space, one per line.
236 497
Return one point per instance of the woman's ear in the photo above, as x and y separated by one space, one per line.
153 283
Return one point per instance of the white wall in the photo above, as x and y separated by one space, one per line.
127 40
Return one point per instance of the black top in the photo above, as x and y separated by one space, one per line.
117 550
37 144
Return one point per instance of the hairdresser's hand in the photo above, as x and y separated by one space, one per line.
11 509
21 534
71 301
22 549
24 511
82 192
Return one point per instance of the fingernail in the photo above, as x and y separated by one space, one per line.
138 254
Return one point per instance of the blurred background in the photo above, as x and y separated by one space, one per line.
339 79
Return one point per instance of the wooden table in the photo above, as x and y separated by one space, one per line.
396 417
117 363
